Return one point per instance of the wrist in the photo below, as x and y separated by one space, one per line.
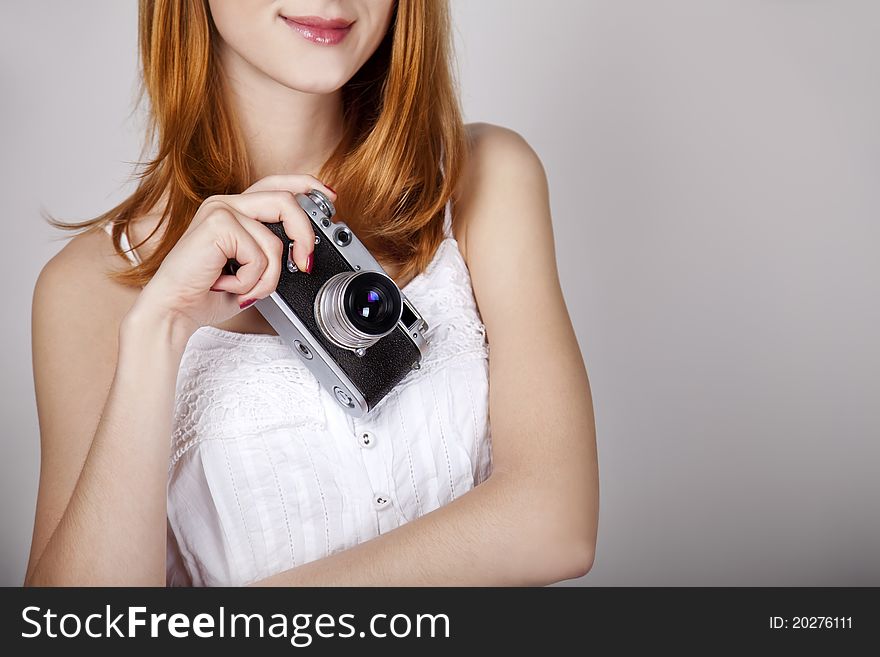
145 326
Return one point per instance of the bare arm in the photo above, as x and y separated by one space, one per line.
105 366
534 520
100 511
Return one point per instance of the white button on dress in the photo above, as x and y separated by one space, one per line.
268 472
367 439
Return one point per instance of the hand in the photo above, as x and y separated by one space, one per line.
190 286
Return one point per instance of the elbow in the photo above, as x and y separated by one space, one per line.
31 578
580 560
558 547
555 532
36 578
567 558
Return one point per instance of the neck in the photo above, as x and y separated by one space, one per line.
285 131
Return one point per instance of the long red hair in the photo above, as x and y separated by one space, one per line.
402 124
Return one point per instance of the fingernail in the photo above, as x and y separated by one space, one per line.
214 289
330 188
308 268
246 303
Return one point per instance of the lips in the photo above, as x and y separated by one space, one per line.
322 31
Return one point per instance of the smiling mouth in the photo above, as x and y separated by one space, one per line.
322 31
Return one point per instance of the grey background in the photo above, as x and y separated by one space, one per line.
713 168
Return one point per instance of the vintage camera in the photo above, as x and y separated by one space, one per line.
348 320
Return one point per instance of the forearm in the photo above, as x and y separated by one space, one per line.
113 529
497 534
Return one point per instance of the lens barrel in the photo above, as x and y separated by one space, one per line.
355 309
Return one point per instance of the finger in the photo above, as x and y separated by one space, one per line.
274 207
293 183
208 207
227 231
273 248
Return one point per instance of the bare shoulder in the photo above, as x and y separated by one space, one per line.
76 312
504 207
502 171
75 281
81 268
494 142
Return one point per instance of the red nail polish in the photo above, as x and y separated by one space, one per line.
246 303
330 188
308 268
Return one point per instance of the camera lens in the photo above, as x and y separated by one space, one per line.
372 303
369 304
355 309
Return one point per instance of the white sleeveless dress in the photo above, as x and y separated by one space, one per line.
268 472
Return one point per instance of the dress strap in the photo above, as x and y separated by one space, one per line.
129 252
447 219
447 213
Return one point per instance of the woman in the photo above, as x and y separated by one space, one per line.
139 335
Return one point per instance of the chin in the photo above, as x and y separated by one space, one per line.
323 81
317 78
302 70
